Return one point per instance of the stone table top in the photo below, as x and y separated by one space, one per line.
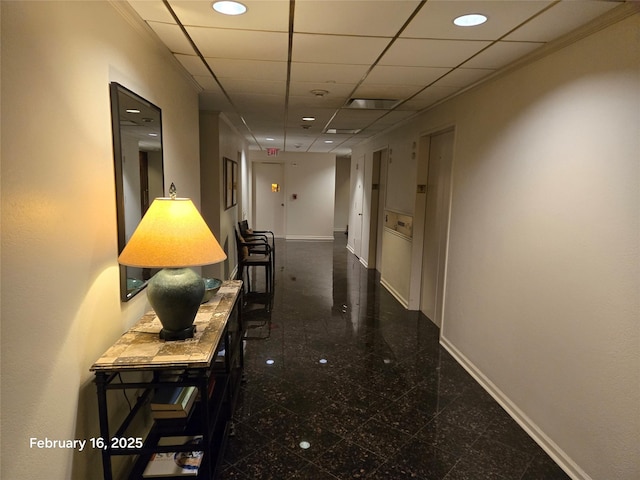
141 347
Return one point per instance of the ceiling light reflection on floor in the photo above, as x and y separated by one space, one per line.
323 361
270 361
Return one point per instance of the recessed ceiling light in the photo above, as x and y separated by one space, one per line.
269 139
229 8
328 141
470 20
133 110
308 119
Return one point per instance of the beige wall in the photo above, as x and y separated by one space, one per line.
543 271
60 300
312 177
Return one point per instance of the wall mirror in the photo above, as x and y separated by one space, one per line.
139 175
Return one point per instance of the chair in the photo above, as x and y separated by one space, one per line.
249 235
254 254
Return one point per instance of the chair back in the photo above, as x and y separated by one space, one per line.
243 226
243 251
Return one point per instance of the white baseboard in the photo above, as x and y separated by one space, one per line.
395 293
350 248
310 238
364 262
548 445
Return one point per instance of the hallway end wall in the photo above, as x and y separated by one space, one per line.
310 177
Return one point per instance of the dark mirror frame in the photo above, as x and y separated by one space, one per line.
149 118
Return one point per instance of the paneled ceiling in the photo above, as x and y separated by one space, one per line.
283 60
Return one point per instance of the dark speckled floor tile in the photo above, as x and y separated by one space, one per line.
365 383
348 460
542 467
493 460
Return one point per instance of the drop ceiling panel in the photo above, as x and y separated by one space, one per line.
387 75
327 73
336 90
461 77
236 85
249 69
435 20
501 54
431 53
311 103
560 19
248 102
207 83
391 92
193 64
152 10
242 44
172 37
265 15
427 98
347 17
336 49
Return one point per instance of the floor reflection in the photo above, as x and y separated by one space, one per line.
342 382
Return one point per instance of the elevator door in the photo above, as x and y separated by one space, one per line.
436 228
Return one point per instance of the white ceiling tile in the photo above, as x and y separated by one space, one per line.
311 102
193 64
428 97
303 89
242 44
337 49
392 92
431 53
239 85
152 10
172 37
461 77
560 19
435 20
501 54
249 69
207 82
265 15
399 75
327 73
348 17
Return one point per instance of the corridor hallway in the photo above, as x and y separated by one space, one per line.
347 384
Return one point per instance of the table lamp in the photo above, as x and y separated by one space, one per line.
173 236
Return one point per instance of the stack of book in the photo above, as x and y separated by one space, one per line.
173 402
174 464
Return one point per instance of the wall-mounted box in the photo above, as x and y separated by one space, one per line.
399 222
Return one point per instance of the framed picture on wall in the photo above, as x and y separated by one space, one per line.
230 182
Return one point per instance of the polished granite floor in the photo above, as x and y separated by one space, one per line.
345 383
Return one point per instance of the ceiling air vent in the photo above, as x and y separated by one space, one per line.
344 131
372 103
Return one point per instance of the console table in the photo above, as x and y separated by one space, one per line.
140 362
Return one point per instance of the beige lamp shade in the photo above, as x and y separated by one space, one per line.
172 234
